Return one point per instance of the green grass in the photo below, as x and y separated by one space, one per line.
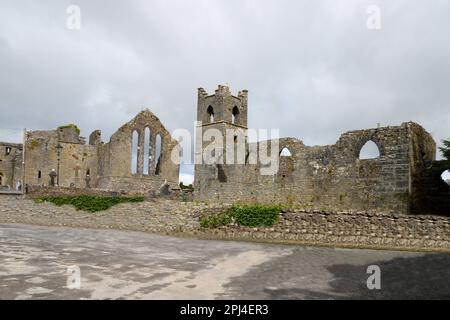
89 203
244 215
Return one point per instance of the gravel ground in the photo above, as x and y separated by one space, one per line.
39 263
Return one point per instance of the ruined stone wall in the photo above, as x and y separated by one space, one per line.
76 158
325 177
108 165
331 176
10 165
431 193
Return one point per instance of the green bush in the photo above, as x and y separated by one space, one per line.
216 220
184 187
249 216
256 215
89 203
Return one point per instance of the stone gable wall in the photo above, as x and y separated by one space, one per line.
115 157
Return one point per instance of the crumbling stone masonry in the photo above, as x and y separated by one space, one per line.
405 178
10 166
106 166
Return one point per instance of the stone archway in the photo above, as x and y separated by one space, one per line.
285 152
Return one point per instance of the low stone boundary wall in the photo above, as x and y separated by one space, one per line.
181 218
11 192
40 191
347 229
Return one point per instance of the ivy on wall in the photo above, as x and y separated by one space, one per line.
89 203
248 215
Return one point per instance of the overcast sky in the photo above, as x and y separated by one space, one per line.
313 69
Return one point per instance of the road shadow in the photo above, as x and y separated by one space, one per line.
423 277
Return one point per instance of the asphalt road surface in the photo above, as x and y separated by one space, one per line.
63 263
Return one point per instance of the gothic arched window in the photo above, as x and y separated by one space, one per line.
134 152
145 168
234 115
158 151
369 151
210 112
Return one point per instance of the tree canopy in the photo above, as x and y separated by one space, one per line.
445 150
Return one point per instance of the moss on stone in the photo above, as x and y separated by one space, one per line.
71 125
34 144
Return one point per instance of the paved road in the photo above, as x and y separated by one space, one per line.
35 263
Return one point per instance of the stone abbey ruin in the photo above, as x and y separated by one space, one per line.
404 178
95 165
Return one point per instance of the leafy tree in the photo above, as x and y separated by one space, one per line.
445 149
184 187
